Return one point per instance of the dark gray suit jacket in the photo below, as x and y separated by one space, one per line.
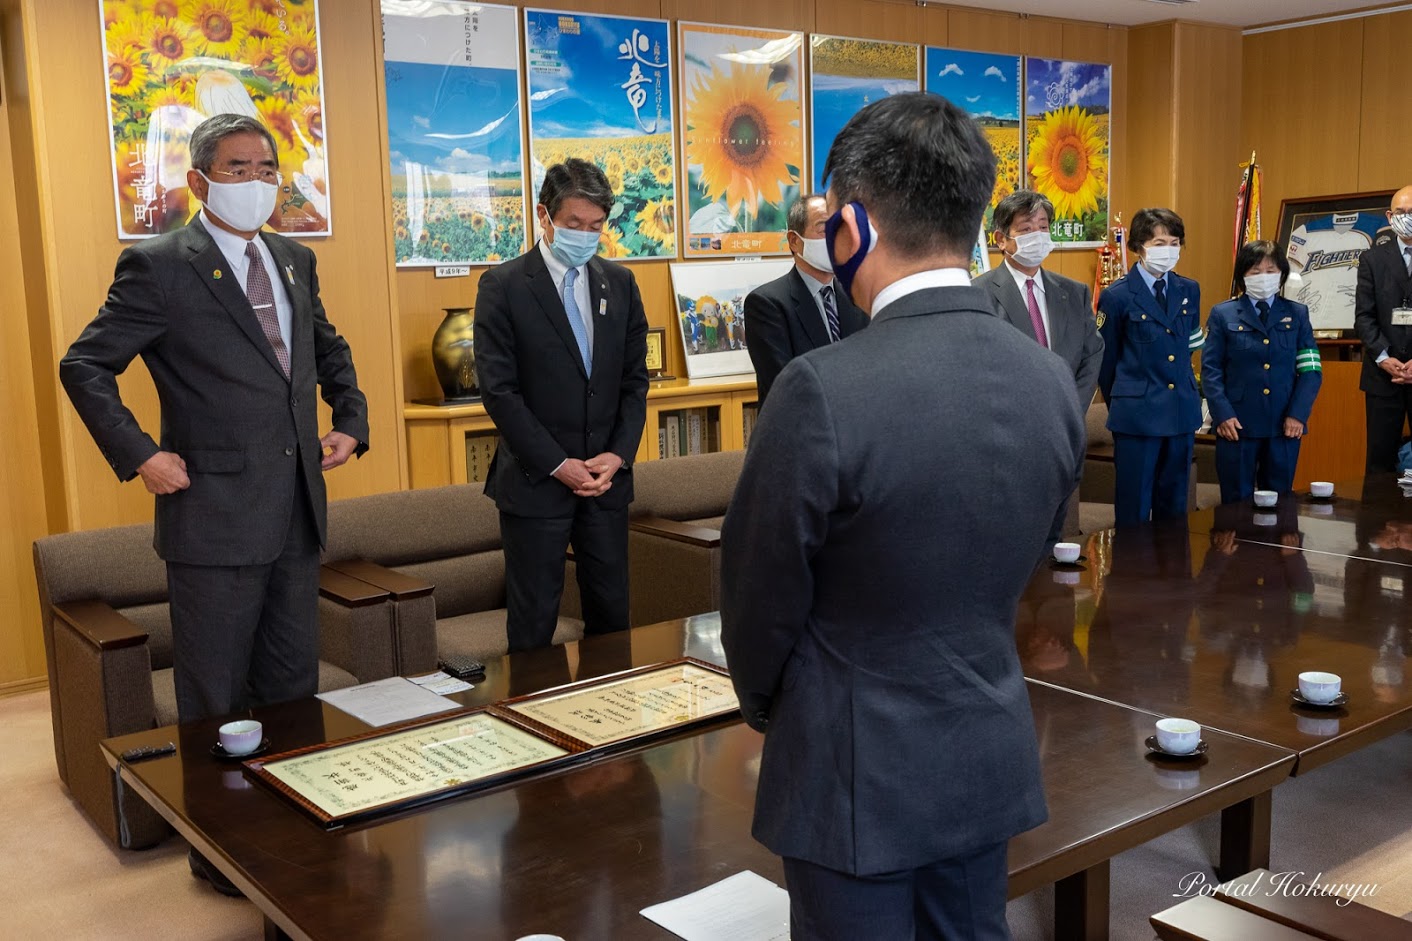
894 502
1073 329
249 436
1383 286
782 322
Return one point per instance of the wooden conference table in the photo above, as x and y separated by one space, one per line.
580 852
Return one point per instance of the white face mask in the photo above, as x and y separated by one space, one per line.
1032 248
243 206
1160 259
816 253
1262 287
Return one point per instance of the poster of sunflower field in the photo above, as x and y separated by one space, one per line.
845 75
454 131
742 137
171 64
1068 116
986 86
601 89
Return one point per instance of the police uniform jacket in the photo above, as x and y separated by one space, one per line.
1146 377
1260 375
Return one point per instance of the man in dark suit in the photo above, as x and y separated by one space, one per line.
229 323
873 559
803 310
561 352
1383 319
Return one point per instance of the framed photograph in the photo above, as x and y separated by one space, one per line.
846 74
710 301
657 354
1322 236
990 88
1068 120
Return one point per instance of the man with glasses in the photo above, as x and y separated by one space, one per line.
1383 319
229 323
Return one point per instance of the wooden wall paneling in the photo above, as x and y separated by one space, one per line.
1150 162
870 19
985 31
1337 443
935 27
1385 133
782 14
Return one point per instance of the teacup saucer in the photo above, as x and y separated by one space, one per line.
1069 566
1334 703
1152 749
219 752
1331 498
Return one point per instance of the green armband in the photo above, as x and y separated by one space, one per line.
1308 360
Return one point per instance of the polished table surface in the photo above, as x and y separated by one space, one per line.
580 852
1215 628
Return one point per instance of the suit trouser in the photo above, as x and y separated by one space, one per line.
1249 464
1385 414
534 571
247 635
944 901
1152 474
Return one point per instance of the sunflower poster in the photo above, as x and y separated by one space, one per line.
1068 111
742 137
453 124
601 89
987 87
171 64
846 74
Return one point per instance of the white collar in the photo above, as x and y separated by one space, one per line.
936 278
557 269
230 244
1020 277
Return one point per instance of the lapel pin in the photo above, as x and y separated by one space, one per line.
216 274
289 273
602 303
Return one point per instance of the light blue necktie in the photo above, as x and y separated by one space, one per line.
571 307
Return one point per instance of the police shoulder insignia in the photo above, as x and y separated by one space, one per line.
1101 318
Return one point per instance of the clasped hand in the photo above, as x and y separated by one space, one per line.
1400 372
590 478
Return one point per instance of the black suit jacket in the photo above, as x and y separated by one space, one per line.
1073 329
249 436
1383 284
872 563
535 388
784 322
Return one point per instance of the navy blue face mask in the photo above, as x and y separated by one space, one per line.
846 270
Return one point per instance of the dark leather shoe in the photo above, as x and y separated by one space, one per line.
201 868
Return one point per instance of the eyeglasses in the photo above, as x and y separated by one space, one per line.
245 175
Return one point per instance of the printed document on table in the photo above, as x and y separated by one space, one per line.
743 907
441 683
384 702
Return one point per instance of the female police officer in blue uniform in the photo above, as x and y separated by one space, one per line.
1260 371
1151 323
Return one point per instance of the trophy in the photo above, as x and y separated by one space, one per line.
1113 255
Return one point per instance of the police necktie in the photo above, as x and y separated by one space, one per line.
261 295
571 307
1036 319
1263 309
1159 287
830 312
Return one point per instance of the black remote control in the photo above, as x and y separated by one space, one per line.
462 667
144 752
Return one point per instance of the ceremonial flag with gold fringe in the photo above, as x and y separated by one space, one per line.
1247 215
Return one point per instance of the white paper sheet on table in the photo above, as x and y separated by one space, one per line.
383 702
441 683
743 907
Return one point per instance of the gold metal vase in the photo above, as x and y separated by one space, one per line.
453 353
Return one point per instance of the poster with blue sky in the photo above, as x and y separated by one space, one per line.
1068 117
601 89
845 75
454 131
988 87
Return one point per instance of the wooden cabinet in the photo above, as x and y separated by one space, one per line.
453 444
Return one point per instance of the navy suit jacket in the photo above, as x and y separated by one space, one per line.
1146 377
1252 373
864 634
784 322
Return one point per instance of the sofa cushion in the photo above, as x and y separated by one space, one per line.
481 635
1095 517
1096 421
117 565
164 689
683 488
156 620
405 526
464 583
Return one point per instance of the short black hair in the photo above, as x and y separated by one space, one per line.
1253 253
575 179
798 216
922 168
1017 205
207 136
1146 222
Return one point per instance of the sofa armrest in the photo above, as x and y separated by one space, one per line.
100 625
698 536
348 591
401 587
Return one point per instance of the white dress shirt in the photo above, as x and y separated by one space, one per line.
816 291
939 278
233 247
558 271
1020 279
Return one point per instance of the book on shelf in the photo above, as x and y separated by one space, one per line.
693 431
750 413
669 419
661 441
480 449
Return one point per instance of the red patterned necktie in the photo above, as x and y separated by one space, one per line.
261 295
1035 318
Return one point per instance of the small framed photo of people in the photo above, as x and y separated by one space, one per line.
1322 236
710 302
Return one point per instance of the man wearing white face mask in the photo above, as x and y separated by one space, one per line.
1261 371
803 310
1151 324
229 323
